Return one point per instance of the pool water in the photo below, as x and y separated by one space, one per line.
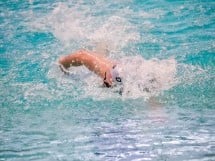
46 115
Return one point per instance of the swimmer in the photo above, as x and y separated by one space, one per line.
103 67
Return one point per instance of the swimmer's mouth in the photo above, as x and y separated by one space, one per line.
106 84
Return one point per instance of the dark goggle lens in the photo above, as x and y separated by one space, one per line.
118 79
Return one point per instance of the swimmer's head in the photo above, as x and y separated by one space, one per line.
112 78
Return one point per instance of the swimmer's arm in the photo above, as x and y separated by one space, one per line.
70 60
74 59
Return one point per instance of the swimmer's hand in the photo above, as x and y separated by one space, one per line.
63 69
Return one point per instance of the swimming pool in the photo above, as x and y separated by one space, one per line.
46 115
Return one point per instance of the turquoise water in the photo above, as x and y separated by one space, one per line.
46 115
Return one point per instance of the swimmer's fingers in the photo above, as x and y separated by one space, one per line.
63 69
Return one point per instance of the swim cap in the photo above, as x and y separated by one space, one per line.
115 75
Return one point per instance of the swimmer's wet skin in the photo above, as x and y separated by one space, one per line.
103 67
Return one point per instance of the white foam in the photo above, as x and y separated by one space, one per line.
147 77
141 79
116 31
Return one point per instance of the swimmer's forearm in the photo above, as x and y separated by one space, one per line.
69 60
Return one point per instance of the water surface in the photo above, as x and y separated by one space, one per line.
45 115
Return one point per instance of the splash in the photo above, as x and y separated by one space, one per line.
76 27
147 78
141 79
